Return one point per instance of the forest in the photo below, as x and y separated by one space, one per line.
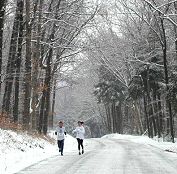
112 64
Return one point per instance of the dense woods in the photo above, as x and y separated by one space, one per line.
136 49
37 38
131 47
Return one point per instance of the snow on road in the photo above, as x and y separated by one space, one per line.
119 154
113 154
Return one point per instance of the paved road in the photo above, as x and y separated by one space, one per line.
110 157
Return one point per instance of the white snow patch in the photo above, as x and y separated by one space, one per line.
19 150
156 142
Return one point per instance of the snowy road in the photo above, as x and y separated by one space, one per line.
110 156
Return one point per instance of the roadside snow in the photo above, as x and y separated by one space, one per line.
19 150
158 143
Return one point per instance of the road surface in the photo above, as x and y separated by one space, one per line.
109 156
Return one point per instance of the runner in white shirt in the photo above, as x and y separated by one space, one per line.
80 131
60 132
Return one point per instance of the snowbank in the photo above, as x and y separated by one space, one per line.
158 143
19 150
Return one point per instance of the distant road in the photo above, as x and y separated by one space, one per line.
110 157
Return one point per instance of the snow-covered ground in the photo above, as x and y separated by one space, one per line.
19 150
156 142
112 154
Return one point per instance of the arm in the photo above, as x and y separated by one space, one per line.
74 131
56 130
64 131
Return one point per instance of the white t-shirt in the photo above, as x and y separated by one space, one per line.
60 133
80 131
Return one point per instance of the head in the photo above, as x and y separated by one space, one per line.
60 123
79 123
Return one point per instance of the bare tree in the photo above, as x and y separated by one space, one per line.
2 14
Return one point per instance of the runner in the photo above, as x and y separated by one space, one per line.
80 131
60 132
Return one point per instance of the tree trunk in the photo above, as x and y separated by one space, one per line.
149 106
146 115
27 77
156 111
10 70
35 64
18 62
119 121
175 29
113 113
108 119
164 49
47 91
160 114
138 118
2 14
53 104
41 114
